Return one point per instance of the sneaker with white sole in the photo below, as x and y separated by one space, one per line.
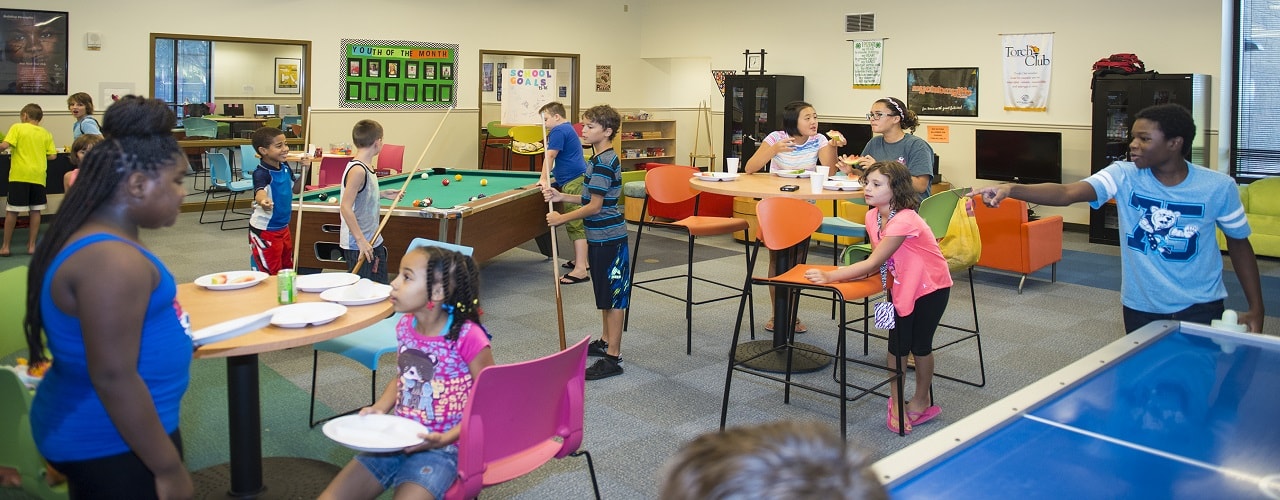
605 367
598 348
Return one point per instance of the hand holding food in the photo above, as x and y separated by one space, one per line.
837 139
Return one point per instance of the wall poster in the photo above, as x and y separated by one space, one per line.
943 91
398 74
288 71
35 52
527 90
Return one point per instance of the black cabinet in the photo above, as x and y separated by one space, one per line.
1116 100
753 109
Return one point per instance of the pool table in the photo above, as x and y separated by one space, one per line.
511 213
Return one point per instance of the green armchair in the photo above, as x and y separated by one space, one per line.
1261 201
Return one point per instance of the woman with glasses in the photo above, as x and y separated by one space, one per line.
891 119
798 146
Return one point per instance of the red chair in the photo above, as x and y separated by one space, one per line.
331 168
520 416
390 160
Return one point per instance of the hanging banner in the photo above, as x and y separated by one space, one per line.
868 58
527 90
719 75
1028 67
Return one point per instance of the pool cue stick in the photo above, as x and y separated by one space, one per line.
306 165
555 254
394 201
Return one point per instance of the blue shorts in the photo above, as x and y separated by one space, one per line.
434 470
610 274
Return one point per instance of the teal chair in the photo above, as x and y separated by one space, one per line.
200 128
220 181
248 161
368 345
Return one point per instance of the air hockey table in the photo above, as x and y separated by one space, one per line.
1172 410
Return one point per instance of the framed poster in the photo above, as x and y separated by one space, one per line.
35 52
486 70
392 74
943 91
288 74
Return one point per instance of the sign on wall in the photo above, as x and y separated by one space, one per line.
398 74
35 52
527 90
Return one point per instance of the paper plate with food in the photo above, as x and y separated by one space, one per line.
837 185
792 173
231 280
716 176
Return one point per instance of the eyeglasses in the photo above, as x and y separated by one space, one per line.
877 115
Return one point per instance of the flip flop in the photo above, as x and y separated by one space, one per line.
892 423
569 264
570 279
920 417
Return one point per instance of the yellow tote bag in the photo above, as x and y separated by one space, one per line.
962 245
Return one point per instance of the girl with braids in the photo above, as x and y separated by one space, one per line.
106 414
891 119
438 291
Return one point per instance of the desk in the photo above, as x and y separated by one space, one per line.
226 143
1165 412
239 123
251 475
511 213
765 185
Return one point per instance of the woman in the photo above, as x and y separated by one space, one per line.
106 414
81 106
891 119
798 145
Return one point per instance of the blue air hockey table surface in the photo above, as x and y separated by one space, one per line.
1172 410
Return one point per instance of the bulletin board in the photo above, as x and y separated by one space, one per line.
398 74
527 90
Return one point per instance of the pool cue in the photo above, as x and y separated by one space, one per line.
306 165
394 201
555 254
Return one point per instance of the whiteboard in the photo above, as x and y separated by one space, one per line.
523 92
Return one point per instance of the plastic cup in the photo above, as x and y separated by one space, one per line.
731 165
816 179
824 170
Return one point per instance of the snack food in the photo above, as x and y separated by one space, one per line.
835 134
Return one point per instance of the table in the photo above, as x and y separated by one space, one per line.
238 123
512 213
252 476
766 185
57 167
226 143
1173 410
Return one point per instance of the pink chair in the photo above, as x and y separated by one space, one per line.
390 160
520 416
331 168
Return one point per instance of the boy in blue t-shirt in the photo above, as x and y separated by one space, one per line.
270 240
607 253
568 167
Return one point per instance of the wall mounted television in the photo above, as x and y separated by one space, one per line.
1018 156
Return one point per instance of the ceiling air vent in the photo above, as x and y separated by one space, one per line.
859 23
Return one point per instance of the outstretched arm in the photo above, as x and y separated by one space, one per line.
1059 195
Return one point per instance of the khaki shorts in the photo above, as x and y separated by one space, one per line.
575 228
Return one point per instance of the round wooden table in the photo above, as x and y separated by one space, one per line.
765 355
250 477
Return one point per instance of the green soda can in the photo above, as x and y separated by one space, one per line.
286 288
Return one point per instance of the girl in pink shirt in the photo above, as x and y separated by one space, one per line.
905 251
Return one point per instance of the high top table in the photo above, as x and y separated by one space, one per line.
251 476
766 185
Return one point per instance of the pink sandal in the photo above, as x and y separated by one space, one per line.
891 421
920 417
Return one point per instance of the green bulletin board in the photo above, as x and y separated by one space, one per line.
398 74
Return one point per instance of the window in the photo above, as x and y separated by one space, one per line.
1256 150
182 69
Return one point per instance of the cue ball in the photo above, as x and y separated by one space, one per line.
333 200
423 176
444 182
457 177
484 182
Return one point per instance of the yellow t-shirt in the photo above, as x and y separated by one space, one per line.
31 146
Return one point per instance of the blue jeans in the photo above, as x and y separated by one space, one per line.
434 469
1196 313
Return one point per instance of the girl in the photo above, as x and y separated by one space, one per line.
106 414
891 119
904 248
79 148
798 145
443 347
81 106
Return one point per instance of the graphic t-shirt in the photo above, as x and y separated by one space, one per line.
919 267
435 373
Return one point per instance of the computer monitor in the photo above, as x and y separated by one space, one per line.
287 109
265 110
232 110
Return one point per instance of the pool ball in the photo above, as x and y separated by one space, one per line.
322 196
457 177
426 202
444 182
423 176
484 182
473 198
333 200
417 203
481 195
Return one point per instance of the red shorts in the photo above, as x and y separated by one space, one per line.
271 250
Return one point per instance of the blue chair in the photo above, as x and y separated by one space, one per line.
368 345
220 181
287 120
248 161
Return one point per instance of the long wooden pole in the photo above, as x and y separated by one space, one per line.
385 218
555 254
304 179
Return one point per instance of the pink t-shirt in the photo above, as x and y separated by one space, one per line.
435 373
919 267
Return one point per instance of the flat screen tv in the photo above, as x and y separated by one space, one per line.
1018 156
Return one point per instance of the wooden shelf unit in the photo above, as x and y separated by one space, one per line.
645 136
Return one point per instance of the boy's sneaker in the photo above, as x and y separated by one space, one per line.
605 367
598 348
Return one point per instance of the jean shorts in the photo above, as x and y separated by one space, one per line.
434 469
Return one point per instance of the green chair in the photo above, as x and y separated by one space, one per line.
497 137
936 211
13 308
17 446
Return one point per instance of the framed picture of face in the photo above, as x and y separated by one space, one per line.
411 69
35 52
354 67
393 69
446 71
428 71
373 69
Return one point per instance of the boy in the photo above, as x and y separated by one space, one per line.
270 241
359 206
606 231
32 149
1170 261
564 151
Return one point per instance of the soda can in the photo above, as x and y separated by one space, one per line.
286 288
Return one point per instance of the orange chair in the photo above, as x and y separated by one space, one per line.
670 184
1010 242
788 224
390 160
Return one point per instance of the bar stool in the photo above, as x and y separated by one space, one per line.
670 184
787 224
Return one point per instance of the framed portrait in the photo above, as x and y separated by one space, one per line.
943 91
35 52
411 93
446 71
411 70
289 75
393 69
428 92
428 71
353 91
446 93
355 67
373 91
373 68
486 75
391 92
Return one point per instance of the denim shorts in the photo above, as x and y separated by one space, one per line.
434 469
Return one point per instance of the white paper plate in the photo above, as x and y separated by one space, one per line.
716 176
320 282
842 185
792 174
230 329
233 280
361 293
307 313
374 433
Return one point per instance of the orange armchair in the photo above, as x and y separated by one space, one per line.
1010 242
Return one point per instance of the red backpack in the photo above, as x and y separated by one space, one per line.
1118 64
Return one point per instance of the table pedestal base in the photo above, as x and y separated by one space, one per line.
282 477
801 361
